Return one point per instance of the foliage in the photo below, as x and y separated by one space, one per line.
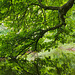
36 26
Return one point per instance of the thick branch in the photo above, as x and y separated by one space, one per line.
66 6
64 9
46 7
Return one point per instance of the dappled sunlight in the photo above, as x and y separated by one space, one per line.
53 52
37 37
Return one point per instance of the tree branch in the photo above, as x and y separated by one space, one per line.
46 7
64 9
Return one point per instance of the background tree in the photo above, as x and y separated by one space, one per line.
30 23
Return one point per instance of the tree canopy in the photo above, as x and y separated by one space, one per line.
29 24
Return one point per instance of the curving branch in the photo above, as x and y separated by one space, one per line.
62 11
46 7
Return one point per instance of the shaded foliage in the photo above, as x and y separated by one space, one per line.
30 23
